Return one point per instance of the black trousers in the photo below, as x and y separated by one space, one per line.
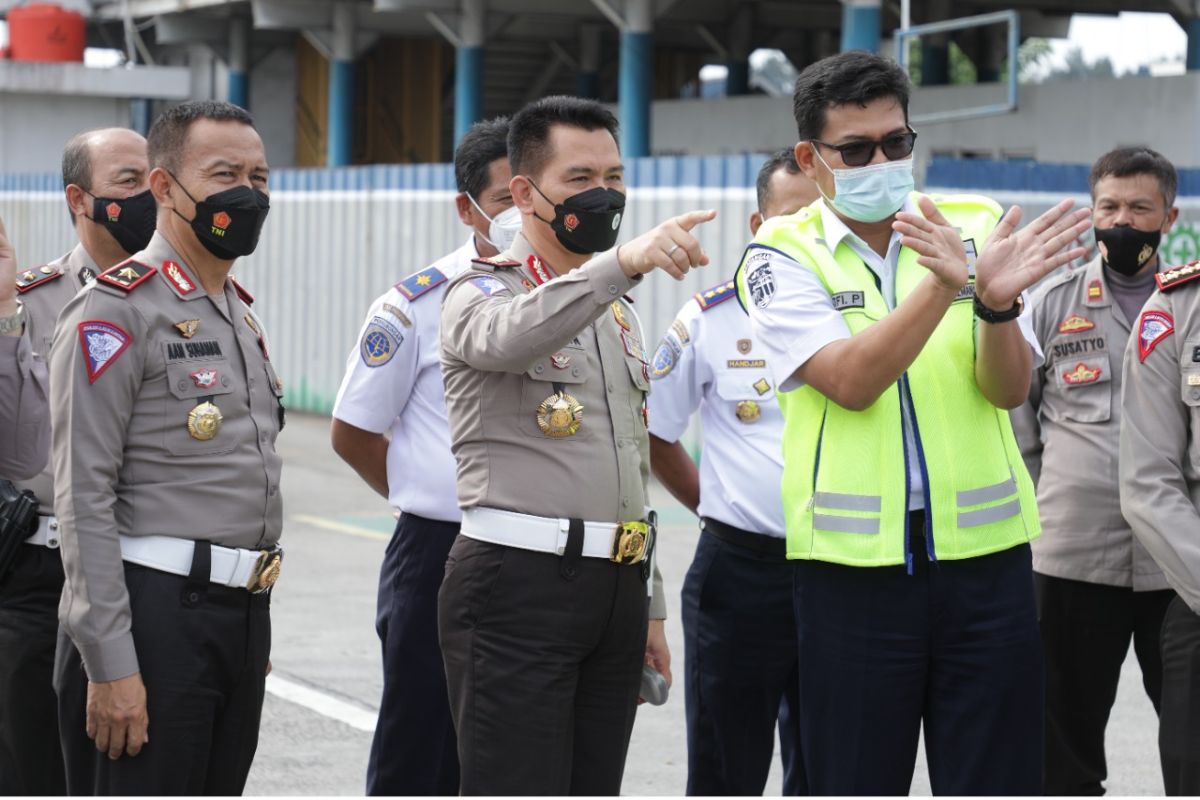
1179 723
741 666
202 651
954 645
414 751
31 759
1086 630
543 661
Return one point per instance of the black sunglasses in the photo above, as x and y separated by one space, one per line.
859 154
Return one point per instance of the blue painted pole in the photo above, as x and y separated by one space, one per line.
468 90
1193 44
239 88
633 92
860 25
339 147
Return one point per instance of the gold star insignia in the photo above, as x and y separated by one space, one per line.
29 276
423 280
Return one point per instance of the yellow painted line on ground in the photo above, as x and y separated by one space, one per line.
341 527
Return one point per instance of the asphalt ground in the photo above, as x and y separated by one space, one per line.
327 678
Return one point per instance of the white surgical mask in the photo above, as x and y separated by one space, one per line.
502 228
870 193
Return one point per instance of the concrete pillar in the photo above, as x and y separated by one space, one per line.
990 53
468 68
239 62
861 20
340 134
741 34
635 85
587 80
1193 45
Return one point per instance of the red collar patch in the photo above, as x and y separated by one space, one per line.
178 278
247 298
1153 327
1076 324
540 272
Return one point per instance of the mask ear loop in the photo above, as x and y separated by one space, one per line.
547 199
179 183
491 221
824 163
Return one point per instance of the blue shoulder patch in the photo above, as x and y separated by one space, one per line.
716 295
421 282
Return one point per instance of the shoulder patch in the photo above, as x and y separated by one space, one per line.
126 275
1153 327
380 341
421 282
1177 276
102 343
247 298
32 278
716 295
398 314
488 285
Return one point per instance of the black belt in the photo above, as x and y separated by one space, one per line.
758 542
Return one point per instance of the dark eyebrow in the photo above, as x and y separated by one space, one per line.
579 170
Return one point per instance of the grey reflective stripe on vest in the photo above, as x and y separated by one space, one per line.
848 502
829 522
987 494
969 519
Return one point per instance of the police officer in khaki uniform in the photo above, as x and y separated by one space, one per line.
1097 588
165 415
24 424
543 611
105 179
1160 497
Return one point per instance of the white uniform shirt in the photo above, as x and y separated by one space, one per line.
799 318
393 382
709 360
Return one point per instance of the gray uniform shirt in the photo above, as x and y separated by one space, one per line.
505 343
128 366
1160 448
1069 432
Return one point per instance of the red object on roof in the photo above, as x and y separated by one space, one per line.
45 32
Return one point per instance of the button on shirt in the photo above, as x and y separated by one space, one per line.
708 360
402 391
802 319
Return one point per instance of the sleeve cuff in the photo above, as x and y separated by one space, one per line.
110 660
606 278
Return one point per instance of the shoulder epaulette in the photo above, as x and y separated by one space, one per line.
496 261
716 295
1177 276
30 278
247 298
421 282
126 275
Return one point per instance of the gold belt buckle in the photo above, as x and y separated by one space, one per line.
265 572
630 542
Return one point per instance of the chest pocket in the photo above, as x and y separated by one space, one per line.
191 383
567 367
735 385
1084 387
635 361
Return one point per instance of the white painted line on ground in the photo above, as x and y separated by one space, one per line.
342 527
323 704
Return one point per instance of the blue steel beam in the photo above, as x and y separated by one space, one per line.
633 92
861 25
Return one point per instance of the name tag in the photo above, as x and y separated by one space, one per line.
844 300
198 348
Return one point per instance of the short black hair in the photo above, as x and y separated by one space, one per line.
481 145
529 131
168 134
783 159
77 165
855 76
1125 162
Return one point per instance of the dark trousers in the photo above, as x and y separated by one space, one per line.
1086 630
202 651
1179 723
414 751
741 666
543 662
31 759
954 645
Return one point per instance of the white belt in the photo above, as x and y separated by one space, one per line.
47 533
543 534
255 570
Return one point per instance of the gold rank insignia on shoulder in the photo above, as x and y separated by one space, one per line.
559 416
204 421
1179 275
619 315
187 329
29 279
126 275
748 411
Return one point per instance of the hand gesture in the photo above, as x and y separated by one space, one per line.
658 654
670 247
938 245
1011 262
116 716
8 274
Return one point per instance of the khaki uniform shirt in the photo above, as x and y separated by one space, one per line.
1069 432
47 289
129 366
505 343
1160 435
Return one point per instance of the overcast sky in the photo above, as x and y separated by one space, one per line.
1129 39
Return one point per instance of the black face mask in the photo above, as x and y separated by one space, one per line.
1128 248
228 223
587 222
130 220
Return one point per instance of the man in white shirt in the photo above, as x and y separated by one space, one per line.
390 426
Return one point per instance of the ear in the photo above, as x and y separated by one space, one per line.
522 193
78 200
806 159
756 222
161 187
1172 215
462 204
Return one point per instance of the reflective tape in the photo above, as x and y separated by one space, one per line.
987 494
849 502
969 519
837 524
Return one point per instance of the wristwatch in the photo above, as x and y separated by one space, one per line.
988 315
13 322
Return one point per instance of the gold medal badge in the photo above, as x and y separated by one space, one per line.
204 421
619 315
748 411
559 415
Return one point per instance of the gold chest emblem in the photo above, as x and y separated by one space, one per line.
559 415
204 421
748 411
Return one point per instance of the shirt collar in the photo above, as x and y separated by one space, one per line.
836 230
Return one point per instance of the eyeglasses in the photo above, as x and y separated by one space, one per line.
859 154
